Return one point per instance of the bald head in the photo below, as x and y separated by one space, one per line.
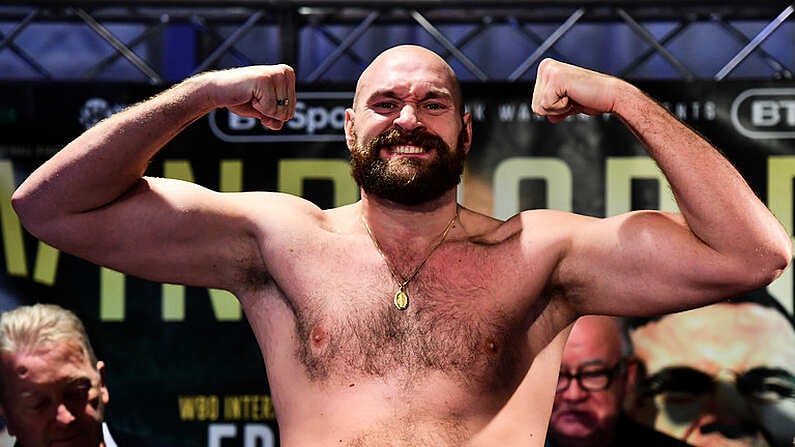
407 58
600 330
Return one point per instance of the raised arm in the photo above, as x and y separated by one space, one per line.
725 240
92 200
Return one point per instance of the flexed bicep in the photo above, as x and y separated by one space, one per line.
91 199
165 230
642 263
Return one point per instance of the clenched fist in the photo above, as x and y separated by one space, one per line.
264 92
562 90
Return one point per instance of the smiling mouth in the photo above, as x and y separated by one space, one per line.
406 149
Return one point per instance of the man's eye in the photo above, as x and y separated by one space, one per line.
767 384
678 383
680 396
773 391
77 393
74 395
384 106
594 374
434 106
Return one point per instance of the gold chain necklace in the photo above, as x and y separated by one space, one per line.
401 299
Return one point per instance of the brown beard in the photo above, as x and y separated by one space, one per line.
406 180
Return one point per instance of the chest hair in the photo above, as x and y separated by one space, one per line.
452 327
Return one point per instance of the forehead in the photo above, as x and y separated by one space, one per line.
44 366
593 338
722 336
405 73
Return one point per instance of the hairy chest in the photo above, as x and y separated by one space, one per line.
464 319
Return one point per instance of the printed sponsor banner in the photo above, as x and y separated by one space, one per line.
183 365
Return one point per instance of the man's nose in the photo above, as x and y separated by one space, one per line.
63 415
408 119
728 404
574 392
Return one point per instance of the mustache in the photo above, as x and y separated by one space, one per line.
398 137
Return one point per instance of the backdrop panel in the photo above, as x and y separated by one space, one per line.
182 362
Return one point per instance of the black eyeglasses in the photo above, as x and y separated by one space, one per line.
590 376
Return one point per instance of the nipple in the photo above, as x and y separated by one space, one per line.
318 337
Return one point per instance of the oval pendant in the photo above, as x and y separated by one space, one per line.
401 300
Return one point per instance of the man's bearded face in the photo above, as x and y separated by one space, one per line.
407 180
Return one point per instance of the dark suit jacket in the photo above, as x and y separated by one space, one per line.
632 434
126 439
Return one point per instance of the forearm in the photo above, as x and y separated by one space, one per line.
108 159
720 208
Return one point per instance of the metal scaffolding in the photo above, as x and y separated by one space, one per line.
318 37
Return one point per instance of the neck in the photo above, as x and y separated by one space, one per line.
397 220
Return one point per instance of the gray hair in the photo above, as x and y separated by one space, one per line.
40 326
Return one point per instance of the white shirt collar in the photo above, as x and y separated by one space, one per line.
109 442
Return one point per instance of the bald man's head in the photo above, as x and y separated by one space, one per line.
400 56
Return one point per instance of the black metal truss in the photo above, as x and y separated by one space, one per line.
223 24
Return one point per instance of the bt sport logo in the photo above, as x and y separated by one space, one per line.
319 116
762 113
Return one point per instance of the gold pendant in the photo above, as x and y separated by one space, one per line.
401 299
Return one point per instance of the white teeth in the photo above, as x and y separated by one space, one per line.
407 150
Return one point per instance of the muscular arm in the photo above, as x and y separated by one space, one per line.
725 241
92 200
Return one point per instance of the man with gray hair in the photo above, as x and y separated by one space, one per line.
52 387
598 373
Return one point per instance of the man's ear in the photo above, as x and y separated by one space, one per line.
103 384
350 137
634 371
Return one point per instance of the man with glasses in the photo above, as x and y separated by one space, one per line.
723 375
596 374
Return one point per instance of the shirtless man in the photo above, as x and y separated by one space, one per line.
405 319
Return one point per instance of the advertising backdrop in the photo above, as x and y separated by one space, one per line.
182 362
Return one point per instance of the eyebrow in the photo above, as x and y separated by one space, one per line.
594 362
433 93
68 381
677 378
78 380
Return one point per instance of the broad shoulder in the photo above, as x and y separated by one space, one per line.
289 221
535 225
280 211
342 219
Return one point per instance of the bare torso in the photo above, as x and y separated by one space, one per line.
346 367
